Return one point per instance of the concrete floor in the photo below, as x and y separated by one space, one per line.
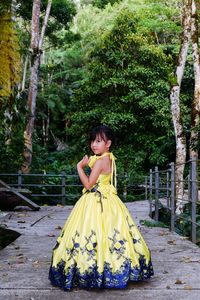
24 264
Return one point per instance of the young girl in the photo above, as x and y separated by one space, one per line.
99 246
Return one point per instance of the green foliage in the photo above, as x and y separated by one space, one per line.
61 10
11 134
61 15
5 6
53 162
114 64
125 89
153 223
183 221
103 3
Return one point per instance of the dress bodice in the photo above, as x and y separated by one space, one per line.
105 181
105 178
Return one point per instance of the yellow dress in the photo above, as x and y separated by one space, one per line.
100 245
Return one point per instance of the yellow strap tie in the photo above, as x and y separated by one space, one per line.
113 170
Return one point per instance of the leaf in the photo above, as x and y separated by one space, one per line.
172 242
21 215
20 254
163 233
58 227
21 221
20 262
187 287
178 281
162 250
51 104
51 234
36 264
186 259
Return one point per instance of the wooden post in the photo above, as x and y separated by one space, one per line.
172 197
194 198
150 192
63 187
156 194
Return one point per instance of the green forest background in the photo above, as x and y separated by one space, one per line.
109 62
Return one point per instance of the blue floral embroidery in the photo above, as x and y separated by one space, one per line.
118 245
73 251
129 225
136 241
90 246
92 278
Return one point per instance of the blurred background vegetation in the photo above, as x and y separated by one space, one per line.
103 61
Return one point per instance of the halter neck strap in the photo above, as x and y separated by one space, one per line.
114 171
113 165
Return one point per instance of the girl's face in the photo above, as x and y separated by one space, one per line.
99 146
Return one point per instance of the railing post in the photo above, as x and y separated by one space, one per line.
63 187
150 192
194 198
125 186
172 197
189 186
156 194
146 187
19 179
167 188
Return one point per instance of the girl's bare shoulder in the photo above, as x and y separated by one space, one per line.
105 162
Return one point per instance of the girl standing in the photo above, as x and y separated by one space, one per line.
100 245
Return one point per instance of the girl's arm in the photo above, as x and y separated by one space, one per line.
88 182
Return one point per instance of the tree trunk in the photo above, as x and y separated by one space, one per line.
196 99
24 73
33 86
36 50
175 105
60 145
13 9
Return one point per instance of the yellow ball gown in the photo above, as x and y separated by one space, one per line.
100 245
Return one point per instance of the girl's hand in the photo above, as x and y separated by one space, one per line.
83 162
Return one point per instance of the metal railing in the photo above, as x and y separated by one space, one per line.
161 193
66 188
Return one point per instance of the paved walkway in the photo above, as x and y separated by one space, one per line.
24 264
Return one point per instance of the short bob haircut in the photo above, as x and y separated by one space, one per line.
102 131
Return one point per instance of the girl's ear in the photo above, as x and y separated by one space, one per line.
108 143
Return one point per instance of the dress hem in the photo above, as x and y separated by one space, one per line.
92 279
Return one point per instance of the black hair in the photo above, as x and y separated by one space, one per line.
104 132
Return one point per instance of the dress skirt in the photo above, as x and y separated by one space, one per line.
100 245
